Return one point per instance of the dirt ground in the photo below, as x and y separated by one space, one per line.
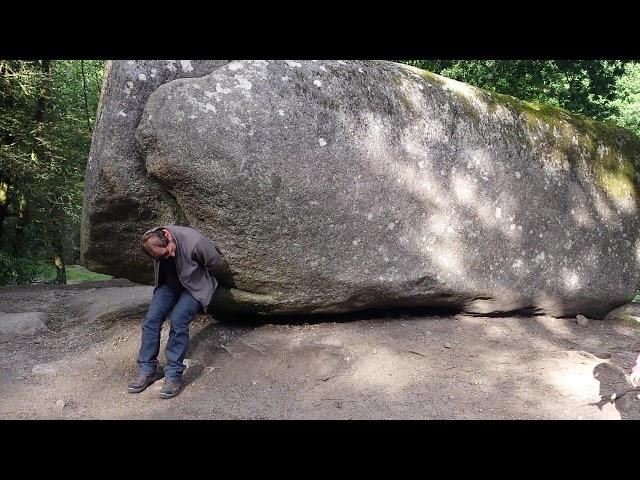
402 365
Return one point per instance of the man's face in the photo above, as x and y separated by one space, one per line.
160 252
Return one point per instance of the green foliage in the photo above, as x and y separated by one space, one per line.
78 274
47 109
586 87
18 270
627 101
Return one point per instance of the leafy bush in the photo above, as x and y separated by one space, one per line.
19 270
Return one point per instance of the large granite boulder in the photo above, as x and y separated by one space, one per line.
332 186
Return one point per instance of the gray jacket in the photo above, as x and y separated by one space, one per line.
198 261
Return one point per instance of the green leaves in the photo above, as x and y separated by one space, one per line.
47 109
627 99
586 87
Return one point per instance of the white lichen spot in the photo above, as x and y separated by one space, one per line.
517 264
571 280
142 77
244 83
154 71
281 113
420 87
122 114
317 83
285 79
512 227
235 65
322 142
292 64
210 107
356 242
518 175
391 226
341 62
498 213
208 93
192 117
370 217
360 70
464 189
223 90
322 68
170 66
186 66
130 84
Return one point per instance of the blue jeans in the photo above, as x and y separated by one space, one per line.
185 308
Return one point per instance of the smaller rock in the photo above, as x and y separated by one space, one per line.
629 312
25 323
447 345
61 404
582 320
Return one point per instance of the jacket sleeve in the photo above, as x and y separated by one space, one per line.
206 254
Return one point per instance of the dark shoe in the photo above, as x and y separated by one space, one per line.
142 381
171 387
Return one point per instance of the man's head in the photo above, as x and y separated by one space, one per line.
159 244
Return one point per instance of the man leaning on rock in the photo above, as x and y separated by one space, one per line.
185 265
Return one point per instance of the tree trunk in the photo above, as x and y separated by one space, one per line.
4 203
20 242
55 234
84 90
61 273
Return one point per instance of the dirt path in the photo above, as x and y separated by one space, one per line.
404 366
